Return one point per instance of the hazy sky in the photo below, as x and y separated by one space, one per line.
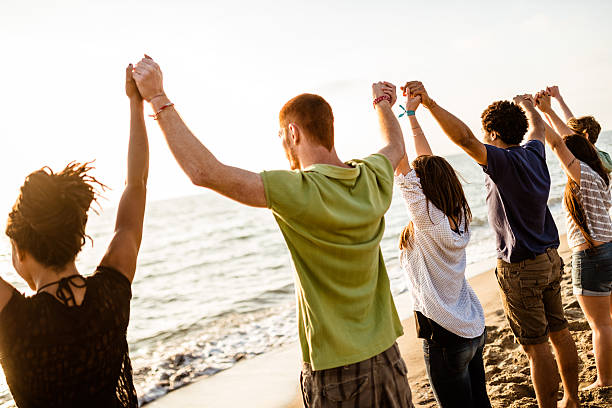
229 66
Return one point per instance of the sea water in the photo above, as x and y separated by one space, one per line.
214 283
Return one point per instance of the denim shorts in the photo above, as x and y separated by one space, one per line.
592 271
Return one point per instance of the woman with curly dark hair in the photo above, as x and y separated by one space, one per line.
589 232
66 345
448 314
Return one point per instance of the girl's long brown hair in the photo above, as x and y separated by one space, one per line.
584 151
443 189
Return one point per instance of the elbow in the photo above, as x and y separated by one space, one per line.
198 178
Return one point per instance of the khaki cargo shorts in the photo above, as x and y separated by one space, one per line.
531 294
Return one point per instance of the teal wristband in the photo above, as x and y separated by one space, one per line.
406 112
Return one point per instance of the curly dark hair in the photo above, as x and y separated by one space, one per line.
506 120
48 219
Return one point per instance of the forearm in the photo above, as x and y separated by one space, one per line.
537 126
195 159
558 123
138 148
421 145
391 133
552 138
567 113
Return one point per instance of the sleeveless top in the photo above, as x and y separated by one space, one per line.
596 200
59 356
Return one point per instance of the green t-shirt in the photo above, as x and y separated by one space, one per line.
332 219
605 159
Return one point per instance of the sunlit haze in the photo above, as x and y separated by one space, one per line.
229 67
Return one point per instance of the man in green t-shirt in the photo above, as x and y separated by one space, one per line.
331 214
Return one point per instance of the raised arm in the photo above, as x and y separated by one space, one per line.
556 122
421 145
390 129
200 165
123 249
457 131
536 128
569 163
554 92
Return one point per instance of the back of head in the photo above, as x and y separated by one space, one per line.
314 115
505 120
48 219
442 188
586 126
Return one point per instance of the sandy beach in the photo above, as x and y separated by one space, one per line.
272 380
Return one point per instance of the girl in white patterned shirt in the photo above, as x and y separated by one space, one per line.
589 232
448 314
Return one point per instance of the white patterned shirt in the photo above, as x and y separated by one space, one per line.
435 265
596 201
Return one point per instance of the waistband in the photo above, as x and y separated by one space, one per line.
595 250
388 356
550 253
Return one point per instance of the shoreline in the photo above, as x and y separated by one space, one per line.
272 379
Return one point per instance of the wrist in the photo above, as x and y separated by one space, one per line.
382 104
158 101
136 100
382 99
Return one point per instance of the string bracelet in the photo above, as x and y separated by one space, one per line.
406 112
156 115
381 98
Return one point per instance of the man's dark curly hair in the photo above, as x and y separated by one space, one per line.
506 120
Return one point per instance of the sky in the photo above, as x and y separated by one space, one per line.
230 66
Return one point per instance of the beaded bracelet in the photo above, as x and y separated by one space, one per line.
169 104
381 98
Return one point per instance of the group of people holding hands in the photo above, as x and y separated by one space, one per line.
66 345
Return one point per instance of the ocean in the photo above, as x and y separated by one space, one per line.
214 283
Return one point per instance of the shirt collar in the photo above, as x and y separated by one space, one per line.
336 172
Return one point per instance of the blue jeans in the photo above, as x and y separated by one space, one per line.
456 373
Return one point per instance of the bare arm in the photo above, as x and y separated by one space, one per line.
457 131
554 92
390 129
421 145
536 128
123 249
570 165
198 163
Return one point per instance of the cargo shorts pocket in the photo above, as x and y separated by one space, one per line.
531 291
345 390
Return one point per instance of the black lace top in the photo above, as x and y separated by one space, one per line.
59 356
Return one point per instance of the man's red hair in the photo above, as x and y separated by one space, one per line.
313 115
